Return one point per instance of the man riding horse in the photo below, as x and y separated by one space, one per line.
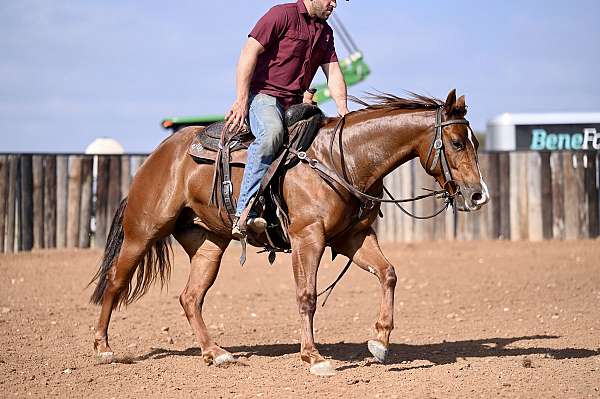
276 66
332 195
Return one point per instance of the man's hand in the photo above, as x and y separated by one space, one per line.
236 117
308 97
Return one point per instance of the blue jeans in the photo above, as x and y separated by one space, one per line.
266 123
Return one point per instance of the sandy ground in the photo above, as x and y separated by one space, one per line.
473 319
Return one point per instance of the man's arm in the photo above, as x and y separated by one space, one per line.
337 86
245 69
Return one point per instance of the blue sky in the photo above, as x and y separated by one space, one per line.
71 71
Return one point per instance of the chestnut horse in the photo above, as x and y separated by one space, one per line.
170 195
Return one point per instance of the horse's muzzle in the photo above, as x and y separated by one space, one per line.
471 197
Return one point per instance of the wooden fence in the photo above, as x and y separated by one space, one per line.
53 201
534 196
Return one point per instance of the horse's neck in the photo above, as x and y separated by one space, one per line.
376 143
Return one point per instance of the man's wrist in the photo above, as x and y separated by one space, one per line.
243 95
342 108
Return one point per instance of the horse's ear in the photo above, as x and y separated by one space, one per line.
460 107
449 104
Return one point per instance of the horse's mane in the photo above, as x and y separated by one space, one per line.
388 101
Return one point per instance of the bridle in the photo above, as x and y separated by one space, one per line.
437 146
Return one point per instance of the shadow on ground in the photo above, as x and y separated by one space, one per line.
437 354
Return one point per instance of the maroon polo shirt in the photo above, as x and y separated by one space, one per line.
295 46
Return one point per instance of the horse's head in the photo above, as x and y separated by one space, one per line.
450 155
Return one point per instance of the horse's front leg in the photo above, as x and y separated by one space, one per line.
307 249
363 249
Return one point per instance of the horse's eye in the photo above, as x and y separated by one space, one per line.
457 145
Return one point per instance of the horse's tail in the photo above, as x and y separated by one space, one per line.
155 263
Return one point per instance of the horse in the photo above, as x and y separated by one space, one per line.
170 196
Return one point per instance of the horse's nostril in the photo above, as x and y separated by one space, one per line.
476 197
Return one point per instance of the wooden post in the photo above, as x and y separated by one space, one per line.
383 226
523 195
572 198
406 190
450 224
62 173
26 204
397 220
461 233
474 224
438 222
4 174
125 175
38 201
18 206
394 212
558 196
546 193
494 187
504 174
424 207
11 207
517 192
591 175
50 201
534 188
74 201
114 187
136 163
546 188
484 217
102 182
85 215
582 204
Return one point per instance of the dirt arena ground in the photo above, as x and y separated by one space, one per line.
483 319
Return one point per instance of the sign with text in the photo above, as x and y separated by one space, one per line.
558 137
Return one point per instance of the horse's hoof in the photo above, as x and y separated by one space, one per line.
106 357
224 359
322 369
378 350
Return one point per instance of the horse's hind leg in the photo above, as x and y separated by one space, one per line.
118 280
364 250
205 250
131 238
